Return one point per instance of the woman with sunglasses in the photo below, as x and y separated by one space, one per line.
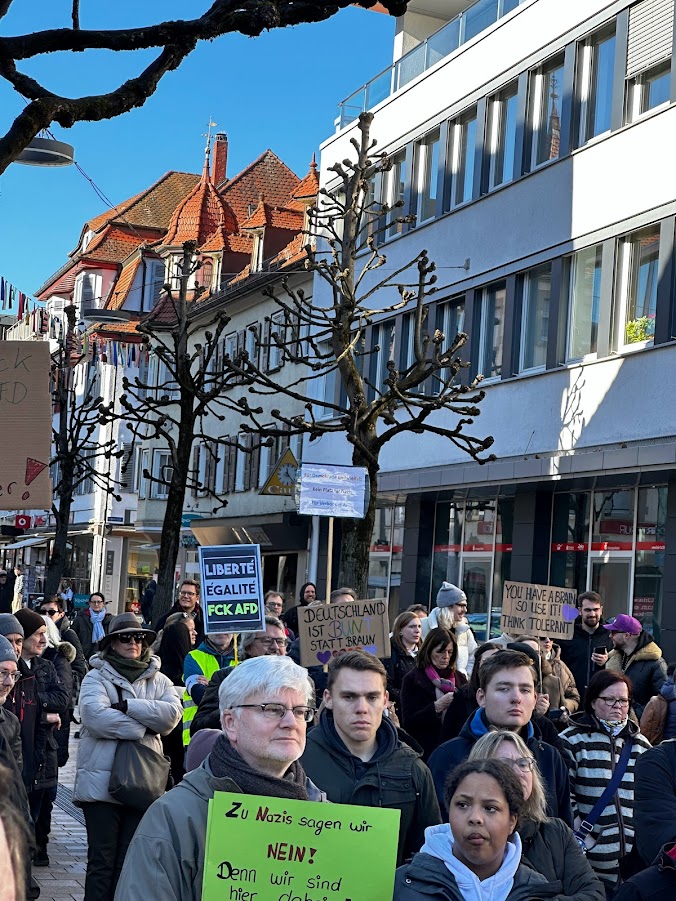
548 844
595 741
124 697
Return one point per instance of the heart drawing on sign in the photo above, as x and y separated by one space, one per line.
323 656
371 648
569 613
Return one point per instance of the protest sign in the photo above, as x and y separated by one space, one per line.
325 490
274 849
326 629
538 610
26 434
232 588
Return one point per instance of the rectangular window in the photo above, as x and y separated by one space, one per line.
491 330
584 301
241 464
650 547
450 321
544 111
648 90
595 66
144 467
278 329
535 318
162 470
383 337
637 288
369 221
427 168
395 186
502 135
464 150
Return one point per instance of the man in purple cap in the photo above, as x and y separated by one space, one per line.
637 656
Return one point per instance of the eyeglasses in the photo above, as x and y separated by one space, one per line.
49 612
269 642
523 763
9 677
128 637
187 594
545 638
278 711
615 702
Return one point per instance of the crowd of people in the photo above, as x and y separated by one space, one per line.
521 768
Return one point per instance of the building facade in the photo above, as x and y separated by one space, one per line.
531 141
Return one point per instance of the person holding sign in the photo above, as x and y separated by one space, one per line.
356 756
266 704
477 854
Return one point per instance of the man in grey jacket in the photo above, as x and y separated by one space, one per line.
265 706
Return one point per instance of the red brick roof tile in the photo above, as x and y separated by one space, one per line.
200 214
114 244
274 217
309 186
267 176
123 285
152 207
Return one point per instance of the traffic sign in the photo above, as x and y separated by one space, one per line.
282 479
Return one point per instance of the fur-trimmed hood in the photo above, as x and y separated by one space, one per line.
67 650
647 649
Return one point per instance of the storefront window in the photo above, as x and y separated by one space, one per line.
502 569
386 555
570 537
650 548
447 544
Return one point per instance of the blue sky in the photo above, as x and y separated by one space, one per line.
279 91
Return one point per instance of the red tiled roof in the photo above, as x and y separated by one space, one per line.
200 214
275 217
113 245
294 250
267 176
116 328
123 286
309 186
152 207
221 240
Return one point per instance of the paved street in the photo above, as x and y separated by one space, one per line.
64 879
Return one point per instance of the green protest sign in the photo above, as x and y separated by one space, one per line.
271 849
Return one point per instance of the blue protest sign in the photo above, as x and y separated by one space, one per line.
232 588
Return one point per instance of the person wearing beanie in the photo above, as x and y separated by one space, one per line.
306 595
12 630
450 613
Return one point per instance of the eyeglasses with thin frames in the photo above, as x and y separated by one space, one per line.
614 702
9 677
269 642
523 763
279 711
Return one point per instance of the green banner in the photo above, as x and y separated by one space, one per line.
271 849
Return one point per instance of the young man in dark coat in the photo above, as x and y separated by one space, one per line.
655 800
307 594
587 651
356 757
188 603
507 700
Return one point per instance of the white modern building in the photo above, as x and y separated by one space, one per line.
534 139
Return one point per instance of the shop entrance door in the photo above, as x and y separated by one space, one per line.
476 581
611 576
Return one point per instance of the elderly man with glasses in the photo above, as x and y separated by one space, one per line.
265 706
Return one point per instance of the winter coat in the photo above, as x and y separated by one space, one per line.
7 593
203 661
549 760
550 848
197 614
398 665
577 653
11 756
655 800
208 714
153 710
646 668
418 715
84 628
555 671
165 860
594 756
657 883
464 638
79 664
395 778
429 877
62 658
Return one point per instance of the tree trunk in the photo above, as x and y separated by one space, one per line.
57 559
355 544
64 489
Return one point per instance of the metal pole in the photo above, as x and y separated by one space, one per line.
329 560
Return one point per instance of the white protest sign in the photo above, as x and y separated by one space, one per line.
328 490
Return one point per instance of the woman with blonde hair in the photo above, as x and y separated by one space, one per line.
548 844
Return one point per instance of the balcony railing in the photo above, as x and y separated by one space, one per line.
448 38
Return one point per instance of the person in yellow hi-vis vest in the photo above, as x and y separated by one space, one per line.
214 653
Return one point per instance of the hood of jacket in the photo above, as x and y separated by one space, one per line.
668 690
477 725
387 738
67 650
663 859
646 649
221 656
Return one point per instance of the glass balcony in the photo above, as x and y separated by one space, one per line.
443 42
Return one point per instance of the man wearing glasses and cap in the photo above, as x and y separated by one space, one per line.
265 704
637 656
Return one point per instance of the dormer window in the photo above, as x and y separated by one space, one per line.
257 252
251 209
86 240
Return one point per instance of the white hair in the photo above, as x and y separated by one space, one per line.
445 618
264 675
53 634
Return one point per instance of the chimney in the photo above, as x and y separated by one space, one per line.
220 160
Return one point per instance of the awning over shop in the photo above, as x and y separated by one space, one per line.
35 540
274 531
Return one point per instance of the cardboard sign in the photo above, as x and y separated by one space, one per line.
332 490
326 629
26 433
271 849
537 610
232 588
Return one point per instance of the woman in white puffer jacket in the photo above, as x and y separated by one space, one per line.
450 614
123 697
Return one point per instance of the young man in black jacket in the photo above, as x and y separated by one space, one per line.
356 757
507 700
587 651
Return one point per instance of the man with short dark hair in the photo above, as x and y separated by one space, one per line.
188 602
636 654
356 756
507 699
587 651
265 706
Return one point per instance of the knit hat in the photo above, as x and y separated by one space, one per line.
450 594
624 623
10 625
6 651
30 620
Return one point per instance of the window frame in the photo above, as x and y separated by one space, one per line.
494 287
427 159
587 83
538 112
461 152
627 280
498 129
399 160
572 262
637 90
528 283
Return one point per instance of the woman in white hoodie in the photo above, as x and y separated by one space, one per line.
477 855
451 614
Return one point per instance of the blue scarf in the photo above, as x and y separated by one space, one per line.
97 621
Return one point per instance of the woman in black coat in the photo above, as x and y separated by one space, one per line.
175 646
428 691
404 645
465 702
